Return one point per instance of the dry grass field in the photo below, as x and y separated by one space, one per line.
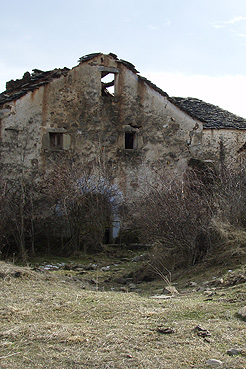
50 319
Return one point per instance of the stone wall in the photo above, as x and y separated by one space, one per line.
224 145
70 118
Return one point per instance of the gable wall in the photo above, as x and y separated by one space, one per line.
95 125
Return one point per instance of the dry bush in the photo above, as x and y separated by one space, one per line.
230 189
202 214
228 226
228 243
20 210
175 217
64 211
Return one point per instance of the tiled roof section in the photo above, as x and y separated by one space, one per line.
29 82
212 116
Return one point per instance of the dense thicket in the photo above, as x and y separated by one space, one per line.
62 212
199 216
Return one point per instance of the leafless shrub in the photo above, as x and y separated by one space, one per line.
231 195
228 243
84 202
19 215
175 215
202 214
66 210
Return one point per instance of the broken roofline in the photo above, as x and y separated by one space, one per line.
128 65
29 82
210 115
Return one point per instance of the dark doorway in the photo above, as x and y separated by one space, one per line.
106 239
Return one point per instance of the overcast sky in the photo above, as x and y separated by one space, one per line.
194 48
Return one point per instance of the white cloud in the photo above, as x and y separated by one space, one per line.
224 24
240 34
127 20
168 22
235 20
153 27
226 91
217 26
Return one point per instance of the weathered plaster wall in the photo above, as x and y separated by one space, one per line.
93 125
21 133
223 145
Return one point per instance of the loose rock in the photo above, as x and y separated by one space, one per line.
165 330
170 290
191 284
161 297
234 352
202 332
105 269
214 362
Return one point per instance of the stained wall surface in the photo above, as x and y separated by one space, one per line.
133 131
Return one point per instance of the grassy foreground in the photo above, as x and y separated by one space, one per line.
49 321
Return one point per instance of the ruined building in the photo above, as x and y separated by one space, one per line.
103 106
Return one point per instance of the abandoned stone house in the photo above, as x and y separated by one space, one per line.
103 106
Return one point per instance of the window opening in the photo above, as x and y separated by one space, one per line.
129 140
108 83
55 140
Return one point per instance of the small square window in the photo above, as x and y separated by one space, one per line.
56 140
130 140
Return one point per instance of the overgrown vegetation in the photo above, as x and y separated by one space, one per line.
69 210
64 211
197 217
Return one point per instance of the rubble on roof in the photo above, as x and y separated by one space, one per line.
113 56
88 57
29 82
212 116
129 65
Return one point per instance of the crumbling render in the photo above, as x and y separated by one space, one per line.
194 131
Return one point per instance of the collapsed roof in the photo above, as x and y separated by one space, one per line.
211 116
